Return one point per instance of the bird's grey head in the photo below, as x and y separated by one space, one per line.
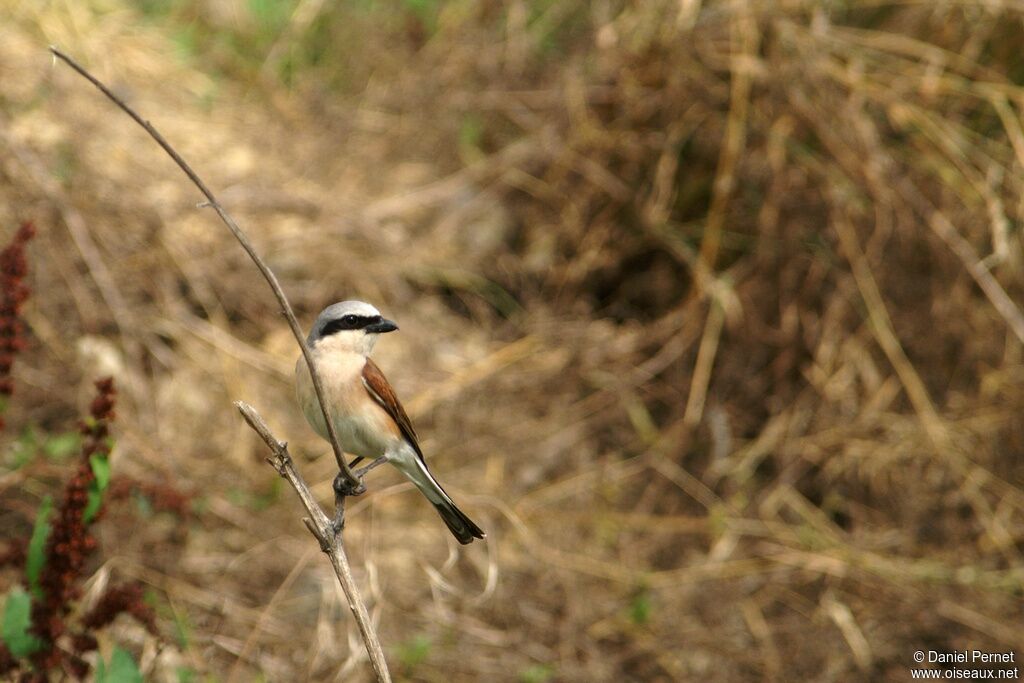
350 325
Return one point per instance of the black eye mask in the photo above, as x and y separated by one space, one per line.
350 322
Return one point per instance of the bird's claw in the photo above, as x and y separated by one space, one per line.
342 489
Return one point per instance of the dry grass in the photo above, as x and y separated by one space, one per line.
709 313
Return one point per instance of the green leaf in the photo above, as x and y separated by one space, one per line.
538 673
101 469
640 608
182 629
25 447
62 445
426 10
16 622
271 15
261 501
471 132
414 651
122 669
35 559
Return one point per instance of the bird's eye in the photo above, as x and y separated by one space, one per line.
350 319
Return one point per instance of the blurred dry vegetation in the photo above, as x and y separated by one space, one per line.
710 316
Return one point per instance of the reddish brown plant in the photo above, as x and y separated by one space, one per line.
70 543
123 599
13 293
7 661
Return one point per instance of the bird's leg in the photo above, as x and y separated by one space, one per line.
361 472
340 491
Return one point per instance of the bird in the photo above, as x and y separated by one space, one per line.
368 417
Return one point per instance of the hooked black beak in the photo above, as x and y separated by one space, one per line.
381 327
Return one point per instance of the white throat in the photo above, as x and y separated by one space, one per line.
347 341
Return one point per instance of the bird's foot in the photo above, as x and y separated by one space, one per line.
342 488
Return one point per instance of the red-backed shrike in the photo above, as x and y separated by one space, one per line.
368 417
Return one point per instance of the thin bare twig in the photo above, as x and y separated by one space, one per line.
349 479
326 531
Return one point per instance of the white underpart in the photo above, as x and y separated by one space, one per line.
359 422
409 463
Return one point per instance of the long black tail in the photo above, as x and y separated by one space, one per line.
461 526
